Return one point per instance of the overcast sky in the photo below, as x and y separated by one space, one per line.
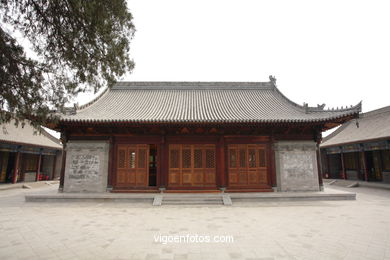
333 52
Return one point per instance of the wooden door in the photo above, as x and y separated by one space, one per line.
132 165
192 165
247 165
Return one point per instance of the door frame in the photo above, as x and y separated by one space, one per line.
128 140
181 170
190 140
270 162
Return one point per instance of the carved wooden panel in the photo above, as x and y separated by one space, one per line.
132 165
192 165
247 165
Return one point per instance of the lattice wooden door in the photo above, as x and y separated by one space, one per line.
192 165
132 165
247 164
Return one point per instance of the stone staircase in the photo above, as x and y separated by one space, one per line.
192 199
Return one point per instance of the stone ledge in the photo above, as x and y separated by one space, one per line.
148 198
295 196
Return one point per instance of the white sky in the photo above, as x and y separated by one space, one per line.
333 52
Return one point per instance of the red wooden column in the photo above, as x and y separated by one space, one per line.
364 161
64 140
221 170
271 154
162 163
111 162
344 175
62 176
39 161
16 168
159 162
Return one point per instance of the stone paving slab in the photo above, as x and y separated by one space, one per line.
348 229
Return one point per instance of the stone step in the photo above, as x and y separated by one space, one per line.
192 199
157 200
193 191
193 202
227 201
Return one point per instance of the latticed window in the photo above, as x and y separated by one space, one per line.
141 158
186 158
252 158
242 158
122 158
210 158
233 158
198 158
262 161
174 159
132 159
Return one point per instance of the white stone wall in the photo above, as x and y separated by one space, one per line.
86 166
296 166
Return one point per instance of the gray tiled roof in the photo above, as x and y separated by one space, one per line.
200 102
25 135
372 125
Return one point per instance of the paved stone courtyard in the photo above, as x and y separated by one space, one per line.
284 230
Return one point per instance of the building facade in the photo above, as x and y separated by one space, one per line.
28 155
187 136
359 149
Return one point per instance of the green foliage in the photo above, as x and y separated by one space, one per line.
77 45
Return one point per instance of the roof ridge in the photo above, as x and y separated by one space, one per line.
144 85
319 108
358 107
190 82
